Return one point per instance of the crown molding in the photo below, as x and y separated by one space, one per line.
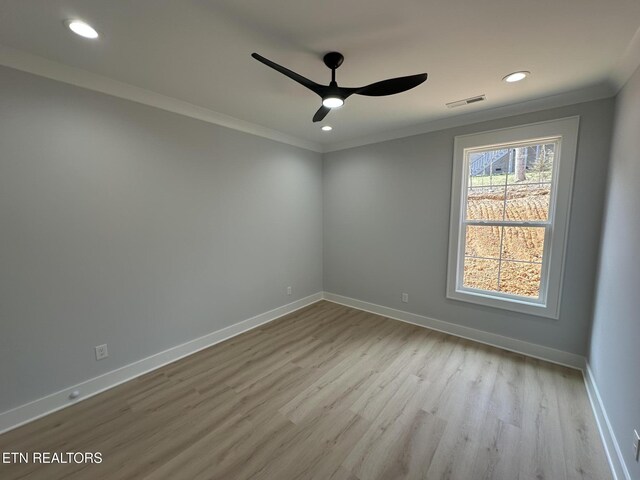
595 92
627 64
43 67
36 65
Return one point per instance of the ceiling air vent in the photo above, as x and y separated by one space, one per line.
467 101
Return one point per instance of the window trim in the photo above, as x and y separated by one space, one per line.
564 129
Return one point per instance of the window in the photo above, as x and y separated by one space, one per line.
509 216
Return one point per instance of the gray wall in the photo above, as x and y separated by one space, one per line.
615 344
131 226
386 228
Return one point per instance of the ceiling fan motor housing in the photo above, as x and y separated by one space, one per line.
333 60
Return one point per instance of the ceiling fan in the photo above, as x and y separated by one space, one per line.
334 96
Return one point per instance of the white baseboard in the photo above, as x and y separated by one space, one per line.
519 346
56 401
611 446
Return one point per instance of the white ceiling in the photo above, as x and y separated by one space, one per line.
198 51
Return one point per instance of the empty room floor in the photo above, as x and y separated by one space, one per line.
330 392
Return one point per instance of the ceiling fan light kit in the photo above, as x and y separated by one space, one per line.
334 96
332 102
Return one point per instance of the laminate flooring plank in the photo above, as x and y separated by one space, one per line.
541 448
390 443
465 411
337 389
498 455
583 459
446 378
507 397
238 453
320 444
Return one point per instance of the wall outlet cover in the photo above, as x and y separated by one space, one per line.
101 352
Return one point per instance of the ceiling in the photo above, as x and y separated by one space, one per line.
198 51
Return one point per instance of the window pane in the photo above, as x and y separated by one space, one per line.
488 168
481 274
519 278
523 243
533 164
528 202
485 203
483 242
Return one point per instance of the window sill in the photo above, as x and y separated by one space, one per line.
514 305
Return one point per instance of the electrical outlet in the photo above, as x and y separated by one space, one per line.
101 352
636 445
405 298
288 290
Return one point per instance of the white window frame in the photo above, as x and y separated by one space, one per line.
565 132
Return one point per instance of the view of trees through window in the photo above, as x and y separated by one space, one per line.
507 216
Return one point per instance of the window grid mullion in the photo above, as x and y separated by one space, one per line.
500 256
477 257
504 215
504 223
522 184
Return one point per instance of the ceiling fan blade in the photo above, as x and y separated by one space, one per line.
392 86
321 113
311 85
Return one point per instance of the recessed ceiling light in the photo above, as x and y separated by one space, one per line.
327 128
332 102
516 76
82 28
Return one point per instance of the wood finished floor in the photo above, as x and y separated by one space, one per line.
330 393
